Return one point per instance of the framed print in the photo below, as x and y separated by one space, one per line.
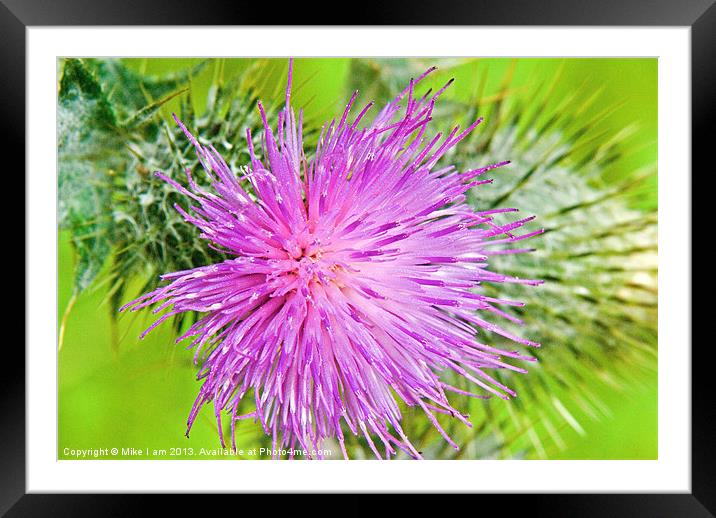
448 256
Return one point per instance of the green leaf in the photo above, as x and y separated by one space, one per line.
130 91
110 141
87 156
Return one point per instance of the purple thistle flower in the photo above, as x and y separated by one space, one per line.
353 279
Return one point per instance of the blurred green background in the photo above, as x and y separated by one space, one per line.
137 394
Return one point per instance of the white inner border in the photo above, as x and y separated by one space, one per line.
670 473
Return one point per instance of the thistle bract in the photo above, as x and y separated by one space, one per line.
354 283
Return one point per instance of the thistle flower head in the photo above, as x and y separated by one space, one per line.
354 282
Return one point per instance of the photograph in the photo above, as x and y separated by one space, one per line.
357 258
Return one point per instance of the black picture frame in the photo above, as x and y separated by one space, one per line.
699 15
